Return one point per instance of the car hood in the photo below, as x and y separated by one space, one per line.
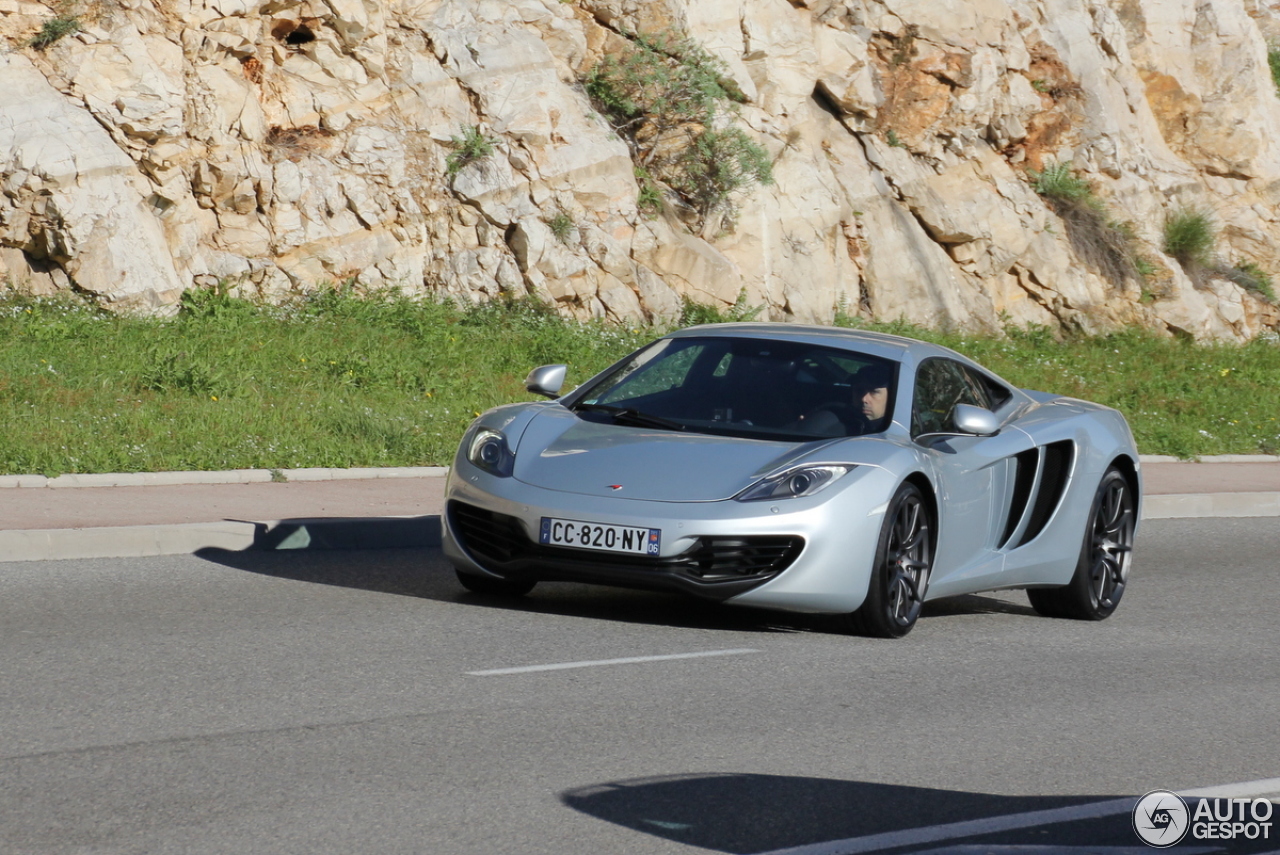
559 451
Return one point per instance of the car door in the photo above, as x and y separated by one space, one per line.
973 474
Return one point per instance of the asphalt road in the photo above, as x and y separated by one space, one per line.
344 702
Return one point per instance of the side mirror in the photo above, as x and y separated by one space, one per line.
975 420
546 380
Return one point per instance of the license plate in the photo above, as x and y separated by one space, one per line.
600 536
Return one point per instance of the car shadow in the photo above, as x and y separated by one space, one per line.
754 813
402 556
976 604
324 533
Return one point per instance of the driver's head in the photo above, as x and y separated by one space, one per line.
871 391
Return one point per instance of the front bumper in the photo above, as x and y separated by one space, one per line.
715 568
812 554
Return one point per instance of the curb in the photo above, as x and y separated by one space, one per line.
412 532
400 532
1189 505
1217 458
233 476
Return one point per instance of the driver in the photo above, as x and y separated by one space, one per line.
871 394
864 413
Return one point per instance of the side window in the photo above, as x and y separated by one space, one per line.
997 393
977 385
940 385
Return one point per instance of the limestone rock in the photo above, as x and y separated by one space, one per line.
278 147
73 199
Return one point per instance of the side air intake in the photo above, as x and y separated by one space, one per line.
1056 460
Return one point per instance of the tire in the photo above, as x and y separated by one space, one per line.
1102 570
494 587
903 564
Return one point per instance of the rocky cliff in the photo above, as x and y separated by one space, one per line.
151 146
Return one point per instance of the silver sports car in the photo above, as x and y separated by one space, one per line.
804 468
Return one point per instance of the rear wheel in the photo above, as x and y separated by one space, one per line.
1103 568
493 586
903 563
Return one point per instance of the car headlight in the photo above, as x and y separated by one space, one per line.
794 483
488 449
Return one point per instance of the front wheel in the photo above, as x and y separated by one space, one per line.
493 586
1103 568
900 575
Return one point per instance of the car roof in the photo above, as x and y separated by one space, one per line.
888 346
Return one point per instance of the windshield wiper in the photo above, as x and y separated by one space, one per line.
632 416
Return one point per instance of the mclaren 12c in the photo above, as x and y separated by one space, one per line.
802 468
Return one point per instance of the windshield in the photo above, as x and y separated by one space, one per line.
745 387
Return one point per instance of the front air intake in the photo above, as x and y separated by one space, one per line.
499 542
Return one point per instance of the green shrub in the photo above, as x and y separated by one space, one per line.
649 199
692 313
169 371
663 81
561 226
1106 244
216 302
1273 60
673 103
471 146
1059 182
718 164
1189 236
54 29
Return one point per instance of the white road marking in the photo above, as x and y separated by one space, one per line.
1249 789
1011 822
560 666
1042 849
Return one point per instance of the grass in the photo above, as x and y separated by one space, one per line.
340 380
562 227
1189 236
336 380
471 145
1181 398
1058 181
649 200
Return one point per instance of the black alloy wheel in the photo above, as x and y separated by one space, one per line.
900 576
492 586
1102 571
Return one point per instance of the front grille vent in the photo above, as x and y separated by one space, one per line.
734 557
496 537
